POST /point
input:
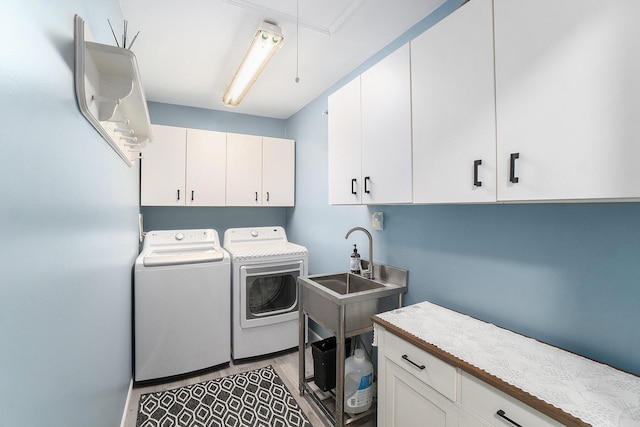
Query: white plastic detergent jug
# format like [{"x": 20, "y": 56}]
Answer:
[{"x": 358, "y": 381}]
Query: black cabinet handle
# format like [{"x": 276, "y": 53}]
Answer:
[
  {"x": 353, "y": 182},
  {"x": 267, "y": 196},
  {"x": 256, "y": 196},
  {"x": 178, "y": 194},
  {"x": 192, "y": 194},
  {"x": 366, "y": 179},
  {"x": 405, "y": 357},
  {"x": 512, "y": 169},
  {"x": 503, "y": 414},
  {"x": 476, "y": 163}
]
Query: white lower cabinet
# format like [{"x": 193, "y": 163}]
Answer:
[
  {"x": 410, "y": 402},
  {"x": 416, "y": 388},
  {"x": 496, "y": 408}
]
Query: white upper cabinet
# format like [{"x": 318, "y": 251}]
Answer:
[
  {"x": 370, "y": 135},
  {"x": 345, "y": 145},
  {"x": 260, "y": 171},
  {"x": 386, "y": 130},
  {"x": 184, "y": 167},
  {"x": 567, "y": 91},
  {"x": 163, "y": 168},
  {"x": 193, "y": 167},
  {"x": 206, "y": 168},
  {"x": 278, "y": 172},
  {"x": 454, "y": 132},
  {"x": 244, "y": 174}
]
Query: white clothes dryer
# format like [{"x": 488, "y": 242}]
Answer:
[
  {"x": 181, "y": 304},
  {"x": 264, "y": 271}
]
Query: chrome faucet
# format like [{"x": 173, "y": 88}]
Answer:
[{"x": 368, "y": 273}]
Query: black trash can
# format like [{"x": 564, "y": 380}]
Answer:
[{"x": 324, "y": 362}]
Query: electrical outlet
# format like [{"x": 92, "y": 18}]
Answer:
[{"x": 377, "y": 220}]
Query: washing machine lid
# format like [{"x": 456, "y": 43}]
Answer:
[
  {"x": 178, "y": 247},
  {"x": 186, "y": 255}
]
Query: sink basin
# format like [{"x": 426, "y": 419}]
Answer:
[
  {"x": 347, "y": 283},
  {"x": 331, "y": 299}
]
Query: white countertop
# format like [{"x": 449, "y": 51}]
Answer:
[{"x": 593, "y": 392}]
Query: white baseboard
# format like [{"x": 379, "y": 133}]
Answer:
[{"x": 126, "y": 404}]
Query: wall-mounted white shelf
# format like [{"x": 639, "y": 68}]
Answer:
[{"x": 110, "y": 94}]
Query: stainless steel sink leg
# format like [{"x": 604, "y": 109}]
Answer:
[
  {"x": 301, "y": 345},
  {"x": 340, "y": 355}
]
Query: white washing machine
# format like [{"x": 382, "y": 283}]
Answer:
[
  {"x": 264, "y": 271},
  {"x": 181, "y": 304}
]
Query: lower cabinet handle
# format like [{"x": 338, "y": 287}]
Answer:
[
  {"x": 366, "y": 179},
  {"x": 192, "y": 194},
  {"x": 512, "y": 169},
  {"x": 178, "y": 194},
  {"x": 503, "y": 414},
  {"x": 256, "y": 196},
  {"x": 405, "y": 357},
  {"x": 267, "y": 196},
  {"x": 353, "y": 182},
  {"x": 476, "y": 163}
]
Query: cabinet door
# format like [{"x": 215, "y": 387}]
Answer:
[
  {"x": 163, "y": 168},
  {"x": 409, "y": 402},
  {"x": 244, "y": 170},
  {"x": 386, "y": 130},
  {"x": 567, "y": 91},
  {"x": 345, "y": 139},
  {"x": 206, "y": 168},
  {"x": 278, "y": 172},
  {"x": 453, "y": 107}
]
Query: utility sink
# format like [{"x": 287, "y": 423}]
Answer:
[
  {"x": 347, "y": 283},
  {"x": 343, "y": 304},
  {"x": 328, "y": 297}
]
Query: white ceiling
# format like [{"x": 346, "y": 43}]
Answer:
[{"x": 188, "y": 50}]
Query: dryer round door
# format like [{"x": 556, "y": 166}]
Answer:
[
  {"x": 271, "y": 295},
  {"x": 268, "y": 294}
]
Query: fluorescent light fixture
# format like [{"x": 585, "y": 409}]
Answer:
[{"x": 267, "y": 40}]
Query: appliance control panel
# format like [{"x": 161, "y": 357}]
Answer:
[
  {"x": 254, "y": 234},
  {"x": 168, "y": 237}
]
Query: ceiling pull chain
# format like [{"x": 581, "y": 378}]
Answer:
[{"x": 297, "y": 40}]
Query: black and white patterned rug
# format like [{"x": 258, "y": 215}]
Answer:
[{"x": 254, "y": 398}]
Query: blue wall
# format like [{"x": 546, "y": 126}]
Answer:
[
  {"x": 567, "y": 274},
  {"x": 69, "y": 214}
]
